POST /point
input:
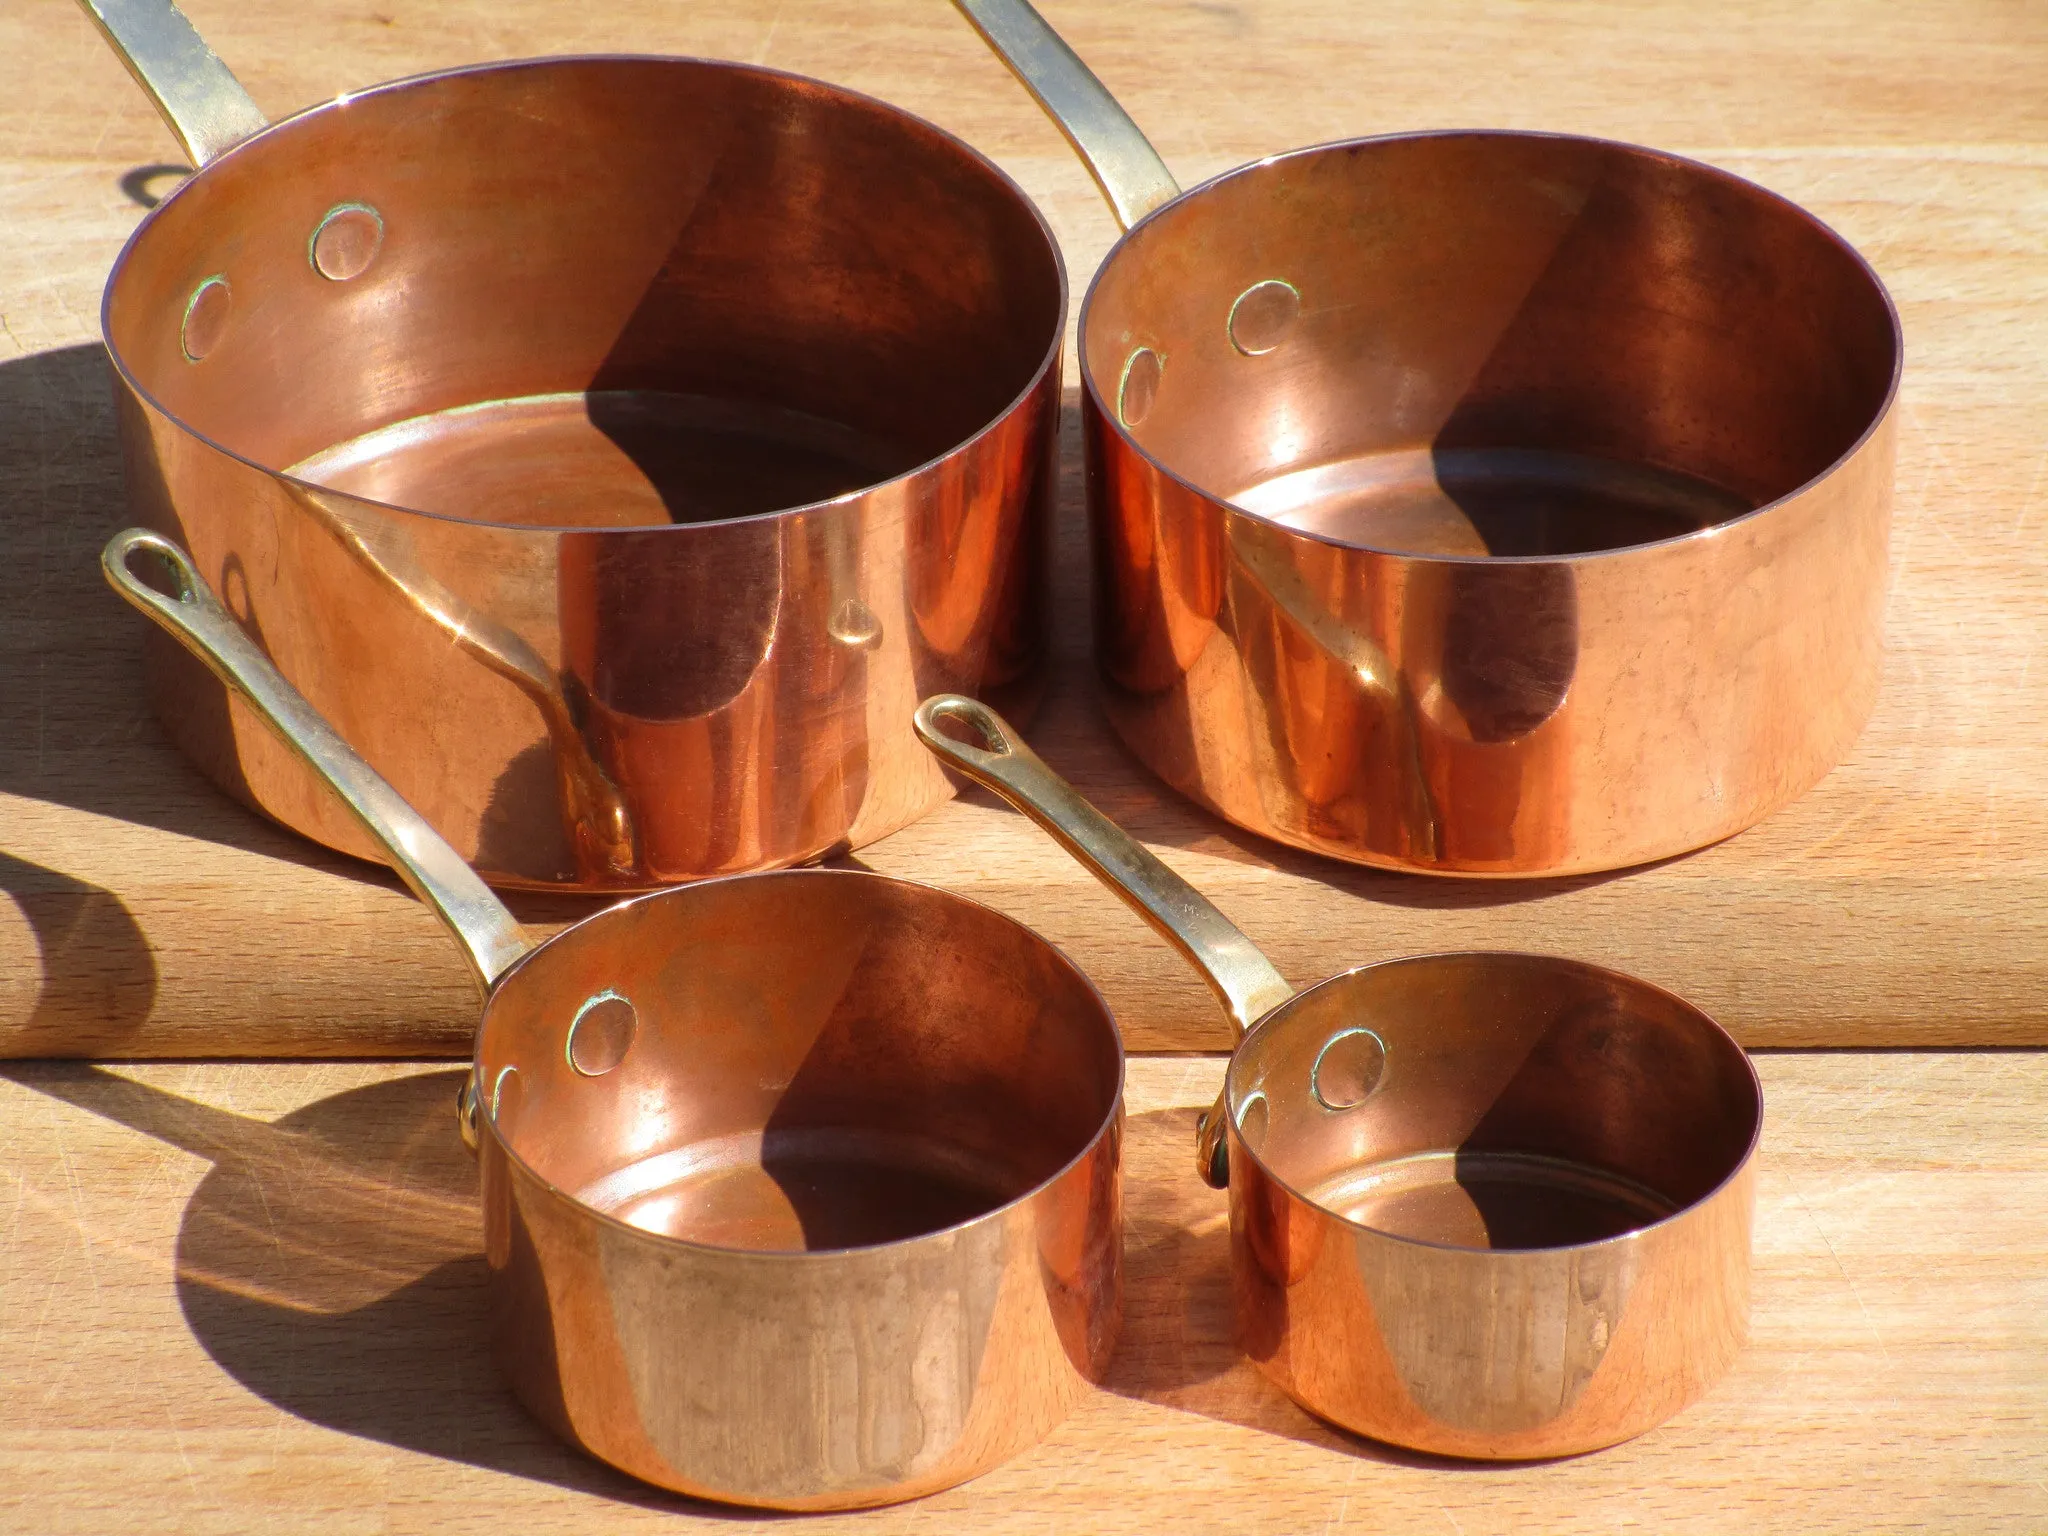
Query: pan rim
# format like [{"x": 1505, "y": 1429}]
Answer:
[
  {"x": 1878, "y": 417},
  {"x": 1235, "y": 1096},
  {"x": 1111, "y": 1118},
  {"x": 1047, "y": 362}
]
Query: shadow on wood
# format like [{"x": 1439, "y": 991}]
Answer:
[
  {"x": 97, "y": 977},
  {"x": 330, "y": 1263}
]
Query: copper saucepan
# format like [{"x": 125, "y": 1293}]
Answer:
[
  {"x": 799, "y": 1189},
  {"x": 672, "y": 426},
  {"x": 1484, "y": 1205},
  {"x": 1476, "y": 502}
]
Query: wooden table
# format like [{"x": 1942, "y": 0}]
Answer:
[
  {"x": 1903, "y": 902},
  {"x": 240, "y": 1297}
]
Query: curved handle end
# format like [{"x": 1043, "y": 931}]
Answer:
[{"x": 491, "y": 938}]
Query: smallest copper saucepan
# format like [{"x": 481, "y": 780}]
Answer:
[
  {"x": 799, "y": 1189},
  {"x": 1483, "y": 1205}
]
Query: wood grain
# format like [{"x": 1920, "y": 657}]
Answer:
[
  {"x": 238, "y": 1298},
  {"x": 1905, "y": 901}
]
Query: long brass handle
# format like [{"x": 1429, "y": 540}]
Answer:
[
  {"x": 1242, "y": 978},
  {"x": 199, "y": 98},
  {"x": 599, "y": 821},
  {"x": 491, "y": 937},
  {"x": 1119, "y": 157}
]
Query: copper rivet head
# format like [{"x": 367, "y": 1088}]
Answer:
[
  {"x": 1254, "y": 1119},
  {"x": 1139, "y": 386},
  {"x": 1348, "y": 1068},
  {"x": 346, "y": 241},
  {"x": 601, "y": 1034},
  {"x": 1263, "y": 315},
  {"x": 506, "y": 1095},
  {"x": 206, "y": 317}
]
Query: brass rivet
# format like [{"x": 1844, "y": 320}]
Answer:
[
  {"x": 346, "y": 241},
  {"x": 1139, "y": 386},
  {"x": 601, "y": 1034},
  {"x": 1348, "y": 1069},
  {"x": 206, "y": 317},
  {"x": 1263, "y": 315}
]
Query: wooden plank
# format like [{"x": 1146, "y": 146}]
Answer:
[
  {"x": 250, "y": 1298},
  {"x": 1905, "y": 901}
]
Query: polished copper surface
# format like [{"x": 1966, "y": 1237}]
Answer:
[
  {"x": 1477, "y": 503},
  {"x": 614, "y": 449},
  {"x": 1484, "y": 1205},
  {"x": 800, "y": 1189},
  {"x": 1525, "y": 1232}
]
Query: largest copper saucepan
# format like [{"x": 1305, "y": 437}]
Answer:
[
  {"x": 1476, "y": 502},
  {"x": 614, "y": 449}
]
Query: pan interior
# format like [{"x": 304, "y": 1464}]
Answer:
[
  {"x": 822, "y": 1060},
  {"x": 803, "y": 1189},
  {"x": 612, "y": 458},
  {"x": 592, "y": 292},
  {"x": 1491, "y": 1199},
  {"x": 1465, "y": 501},
  {"x": 1483, "y": 343},
  {"x": 1516, "y": 1101}
]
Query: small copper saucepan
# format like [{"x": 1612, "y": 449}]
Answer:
[
  {"x": 1485, "y": 1205},
  {"x": 799, "y": 1189},
  {"x": 1479, "y": 502},
  {"x": 673, "y": 425}
]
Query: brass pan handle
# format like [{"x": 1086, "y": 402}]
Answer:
[
  {"x": 185, "y": 80},
  {"x": 1119, "y": 157},
  {"x": 1242, "y": 978},
  {"x": 491, "y": 937}
]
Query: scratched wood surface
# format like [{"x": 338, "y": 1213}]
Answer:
[
  {"x": 1905, "y": 901},
  {"x": 239, "y": 1298}
]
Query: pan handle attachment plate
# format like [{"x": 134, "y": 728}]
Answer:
[
  {"x": 1241, "y": 977},
  {"x": 491, "y": 938},
  {"x": 202, "y": 102},
  {"x": 1119, "y": 157}
]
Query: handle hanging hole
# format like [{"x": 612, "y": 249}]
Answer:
[
  {"x": 977, "y": 727},
  {"x": 159, "y": 571}
]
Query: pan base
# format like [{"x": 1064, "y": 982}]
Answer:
[
  {"x": 1491, "y": 501},
  {"x": 1498, "y": 1200},
  {"x": 605, "y": 459},
  {"x": 801, "y": 1190}
]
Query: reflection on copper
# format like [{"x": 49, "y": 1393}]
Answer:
[
  {"x": 667, "y": 474},
  {"x": 1591, "y": 443},
  {"x": 1485, "y": 1205}
]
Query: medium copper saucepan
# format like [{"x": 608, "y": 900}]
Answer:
[
  {"x": 1486, "y": 1205},
  {"x": 799, "y": 1189},
  {"x": 613, "y": 449},
  {"x": 1476, "y": 502}
]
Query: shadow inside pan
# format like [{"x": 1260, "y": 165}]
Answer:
[
  {"x": 801, "y": 1189},
  {"x": 1492, "y": 501},
  {"x": 1492, "y": 1199},
  {"x": 606, "y": 459}
]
